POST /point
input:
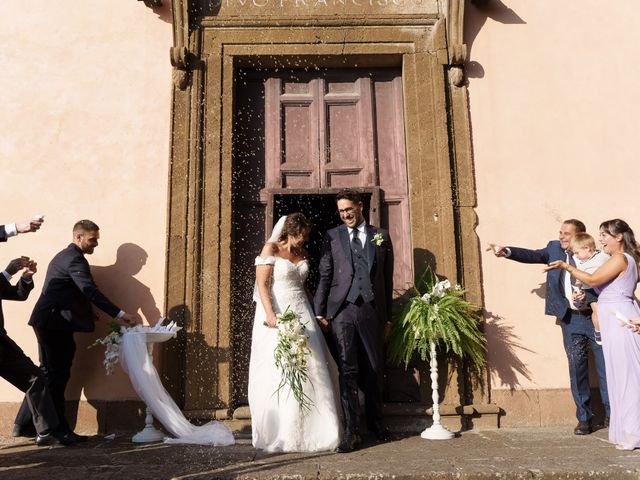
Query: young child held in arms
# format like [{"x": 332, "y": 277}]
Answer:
[{"x": 588, "y": 259}]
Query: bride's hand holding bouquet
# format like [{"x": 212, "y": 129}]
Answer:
[{"x": 271, "y": 321}]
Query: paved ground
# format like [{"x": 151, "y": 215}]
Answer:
[{"x": 505, "y": 454}]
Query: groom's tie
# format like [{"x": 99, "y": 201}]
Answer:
[
  {"x": 355, "y": 239},
  {"x": 361, "y": 283}
]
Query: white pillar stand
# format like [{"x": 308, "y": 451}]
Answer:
[
  {"x": 149, "y": 433},
  {"x": 436, "y": 431}
]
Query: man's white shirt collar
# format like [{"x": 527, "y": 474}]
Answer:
[{"x": 360, "y": 228}]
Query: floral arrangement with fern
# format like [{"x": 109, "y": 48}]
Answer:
[{"x": 437, "y": 312}]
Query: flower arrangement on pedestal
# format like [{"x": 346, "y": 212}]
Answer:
[
  {"x": 113, "y": 339},
  {"x": 437, "y": 315}
]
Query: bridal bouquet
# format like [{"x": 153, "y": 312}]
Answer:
[
  {"x": 113, "y": 339},
  {"x": 292, "y": 355},
  {"x": 437, "y": 312}
]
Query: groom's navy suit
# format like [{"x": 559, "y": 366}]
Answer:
[
  {"x": 577, "y": 329},
  {"x": 357, "y": 323}
]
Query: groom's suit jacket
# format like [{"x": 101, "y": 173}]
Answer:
[
  {"x": 336, "y": 272},
  {"x": 68, "y": 294},
  {"x": 556, "y": 302}
]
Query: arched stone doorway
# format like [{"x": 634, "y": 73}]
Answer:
[{"x": 203, "y": 237}]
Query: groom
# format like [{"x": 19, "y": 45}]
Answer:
[{"x": 353, "y": 300}]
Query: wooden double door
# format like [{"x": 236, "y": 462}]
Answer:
[{"x": 299, "y": 137}]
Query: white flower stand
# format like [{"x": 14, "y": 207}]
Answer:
[
  {"x": 436, "y": 431},
  {"x": 149, "y": 433}
]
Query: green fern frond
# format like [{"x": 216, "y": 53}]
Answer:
[{"x": 449, "y": 320}]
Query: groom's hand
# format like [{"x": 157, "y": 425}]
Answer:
[
  {"x": 324, "y": 323},
  {"x": 387, "y": 330}
]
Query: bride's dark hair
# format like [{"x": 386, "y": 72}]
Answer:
[
  {"x": 620, "y": 227},
  {"x": 295, "y": 224}
]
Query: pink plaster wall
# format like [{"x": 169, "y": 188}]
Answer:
[
  {"x": 554, "y": 104},
  {"x": 84, "y": 133}
]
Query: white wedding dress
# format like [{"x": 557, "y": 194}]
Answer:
[{"x": 276, "y": 421}]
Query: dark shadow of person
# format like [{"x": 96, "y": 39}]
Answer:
[
  {"x": 161, "y": 9},
  {"x": 411, "y": 382},
  {"x": 119, "y": 284},
  {"x": 540, "y": 291},
  {"x": 476, "y": 14},
  {"x": 503, "y": 364}
]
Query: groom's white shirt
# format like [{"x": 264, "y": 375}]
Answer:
[{"x": 362, "y": 235}]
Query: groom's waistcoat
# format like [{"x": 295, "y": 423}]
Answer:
[{"x": 360, "y": 283}]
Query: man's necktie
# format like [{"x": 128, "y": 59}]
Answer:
[{"x": 357, "y": 244}]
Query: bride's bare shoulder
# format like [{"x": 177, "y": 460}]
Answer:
[{"x": 269, "y": 250}]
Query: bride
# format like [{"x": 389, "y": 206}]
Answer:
[{"x": 277, "y": 423}]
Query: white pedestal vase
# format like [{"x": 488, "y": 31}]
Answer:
[
  {"x": 149, "y": 433},
  {"x": 436, "y": 431}
]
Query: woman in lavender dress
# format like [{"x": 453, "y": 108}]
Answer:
[{"x": 617, "y": 280}]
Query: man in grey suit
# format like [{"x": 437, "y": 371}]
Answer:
[
  {"x": 353, "y": 299},
  {"x": 65, "y": 306}
]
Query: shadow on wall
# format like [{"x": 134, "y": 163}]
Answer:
[
  {"x": 119, "y": 284},
  {"x": 476, "y": 14},
  {"x": 163, "y": 11},
  {"x": 191, "y": 350},
  {"x": 503, "y": 364},
  {"x": 540, "y": 291},
  {"x": 412, "y": 382}
]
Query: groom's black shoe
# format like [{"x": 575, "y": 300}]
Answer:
[
  {"x": 23, "y": 431},
  {"x": 54, "y": 438},
  {"x": 349, "y": 443},
  {"x": 77, "y": 438},
  {"x": 381, "y": 434},
  {"x": 379, "y": 431}
]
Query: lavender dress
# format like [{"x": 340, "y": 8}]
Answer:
[{"x": 621, "y": 348}]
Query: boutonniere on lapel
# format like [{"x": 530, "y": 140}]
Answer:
[{"x": 378, "y": 239}]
